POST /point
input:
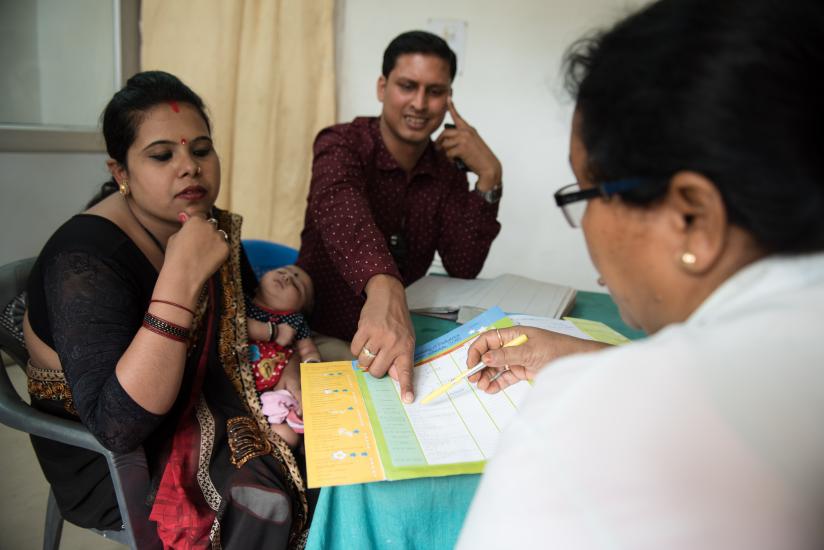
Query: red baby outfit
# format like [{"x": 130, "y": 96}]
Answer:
[{"x": 268, "y": 361}]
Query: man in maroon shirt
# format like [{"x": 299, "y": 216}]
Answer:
[{"x": 384, "y": 198}]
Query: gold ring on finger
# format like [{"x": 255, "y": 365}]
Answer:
[
  {"x": 365, "y": 351},
  {"x": 500, "y": 338}
]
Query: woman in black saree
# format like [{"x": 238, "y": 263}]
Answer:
[{"x": 136, "y": 327}]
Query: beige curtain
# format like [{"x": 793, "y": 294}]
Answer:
[{"x": 266, "y": 70}]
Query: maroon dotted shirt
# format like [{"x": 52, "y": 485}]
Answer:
[{"x": 359, "y": 197}]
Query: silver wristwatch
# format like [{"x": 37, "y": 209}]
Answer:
[{"x": 492, "y": 196}]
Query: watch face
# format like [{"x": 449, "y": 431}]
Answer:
[{"x": 492, "y": 196}]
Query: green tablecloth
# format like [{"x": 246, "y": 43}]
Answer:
[
  {"x": 588, "y": 305},
  {"x": 424, "y": 513}
]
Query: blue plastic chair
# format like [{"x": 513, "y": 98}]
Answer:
[{"x": 266, "y": 255}]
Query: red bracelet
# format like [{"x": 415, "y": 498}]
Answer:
[
  {"x": 184, "y": 308},
  {"x": 165, "y": 328}
]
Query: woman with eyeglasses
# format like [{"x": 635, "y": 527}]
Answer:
[{"x": 698, "y": 148}]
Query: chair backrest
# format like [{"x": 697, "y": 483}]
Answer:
[
  {"x": 13, "y": 279},
  {"x": 130, "y": 473},
  {"x": 266, "y": 255}
]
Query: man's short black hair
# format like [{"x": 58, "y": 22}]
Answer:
[{"x": 419, "y": 42}]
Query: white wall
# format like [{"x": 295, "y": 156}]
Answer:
[
  {"x": 40, "y": 191},
  {"x": 75, "y": 42},
  {"x": 511, "y": 91}
]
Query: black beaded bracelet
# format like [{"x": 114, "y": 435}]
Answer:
[{"x": 165, "y": 328}]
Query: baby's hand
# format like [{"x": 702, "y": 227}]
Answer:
[
  {"x": 290, "y": 380},
  {"x": 286, "y": 334},
  {"x": 308, "y": 351}
]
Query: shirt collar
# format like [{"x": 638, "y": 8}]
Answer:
[{"x": 384, "y": 160}]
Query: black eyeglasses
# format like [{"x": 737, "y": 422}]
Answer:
[{"x": 571, "y": 199}]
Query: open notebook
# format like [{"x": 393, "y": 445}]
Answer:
[
  {"x": 447, "y": 297},
  {"x": 357, "y": 429}
]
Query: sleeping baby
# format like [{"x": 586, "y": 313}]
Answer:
[{"x": 281, "y": 299}]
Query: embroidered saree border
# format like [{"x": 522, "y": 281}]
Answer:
[
  {"x": 49, "y": 385},
  {"x": 233, "y": 349}
]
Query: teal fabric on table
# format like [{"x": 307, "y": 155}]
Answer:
[
  {"x": 419, "y": 514},
  {"x": 424, "y": 513},
  {"x": 600, "y": 307}
]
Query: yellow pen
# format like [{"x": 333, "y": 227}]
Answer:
[{"x": 477, "y": 368}]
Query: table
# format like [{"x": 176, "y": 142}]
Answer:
[{"x": 425, "y": 513}]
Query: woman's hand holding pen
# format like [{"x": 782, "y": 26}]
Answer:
[{"x": 520, "y": 362}]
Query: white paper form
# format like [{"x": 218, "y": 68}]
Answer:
[
  {"x": 464, "y": 424},
  {"x": 461, "y": 426},
  {"x": 359, "y": 430}
]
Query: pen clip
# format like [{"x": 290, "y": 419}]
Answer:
[{"x": 477, "y": 368}]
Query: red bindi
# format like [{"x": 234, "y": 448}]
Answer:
[
  {"x": 173, "y": 105},
  {"x": 183, "y": 141}
]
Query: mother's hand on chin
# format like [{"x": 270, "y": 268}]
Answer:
[{"x": 194, "y": 253}]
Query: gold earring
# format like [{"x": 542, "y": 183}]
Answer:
[
  {"x": 688, "y": 258},
  {"x": 124, "y": 188}
]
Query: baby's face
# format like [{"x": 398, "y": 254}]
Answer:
[{"x": 287, "y": 288}]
